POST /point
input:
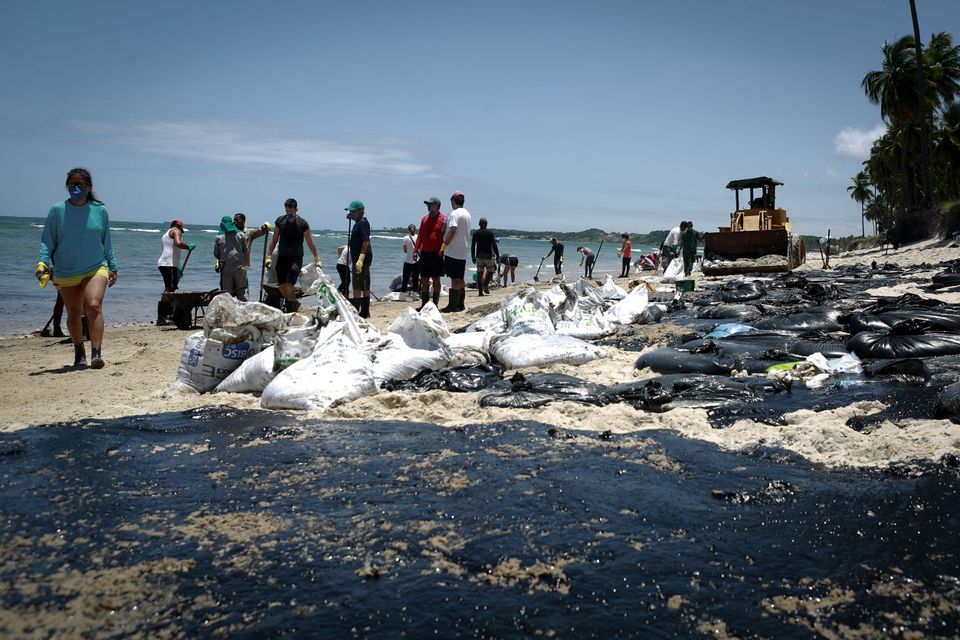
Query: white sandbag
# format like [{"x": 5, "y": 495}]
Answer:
[
  {"x": 518, "y": 352},
  {"x": 205, "y": 363},
  {"x": 336, "y": 372},
  {"x": 469, "y": 357},
  {"x": 631, "y": 308},
  {"x": 394, "y": 360},
  {"x": 309, "y": 273},
  {"x": 673, "y": 271},
  {"x": 490, "y": 323},
  {"x": 252, "y": 376},
  {"x": 468, "y": 339},
  {"x": 611, "y": 290},
  {"x": 527, "y": 312},
  {"x": 587, "y": 326},
  {"x": 424, "y": 330},
  {"x": 589, "y": 297},
  {"x": 260, "y": 322},
  {"x": 294, "y": 343}
]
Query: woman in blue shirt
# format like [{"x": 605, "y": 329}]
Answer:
[{"x": 76, "y": 251}]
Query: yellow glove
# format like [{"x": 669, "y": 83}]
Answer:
[
  {"x": 360, "y": 260},
  {"x": 43, "y": 274},
  {"x": 443, "y": 247},
  {"x": 244, "y": 268},
  {"x": 561, "y": 259},
  {"x": 318, "y": 262},
  {"x": 268, "y": 261},
  {"x": 266, "y": 226}
]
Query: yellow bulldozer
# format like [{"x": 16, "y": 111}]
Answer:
[{"x": 760, "y": 236}]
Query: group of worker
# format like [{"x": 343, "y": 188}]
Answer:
[{"x": 681, "y": 242}]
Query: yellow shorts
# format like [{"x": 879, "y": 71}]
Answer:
[{"x": 72, "y": 281}]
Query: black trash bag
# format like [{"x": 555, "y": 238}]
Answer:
[
  {"x": 829, "y": 348},
  {"x": 522, "y": 392},
  {"x": 742, "y": 291},
  {"x": 942, "y": 319},
  {"x": 739, "y": 312},
  {"x": 867, "y": 322},
  {"x": 687, "y": 390},
  {"x": 465, "y": 379},
  {"x": 790, "y": 280},
  {"x": 947, "y": 406},
  {"x": 813, "y": 319},
  {"x": 396, "y": 283},
  {"x": 907, "y": 370},
  {"x": 820, "y": 292},
  {"x": 896, "y": 344},
  {"x": 944, "y": 280},
  {"x": 905, "y": 300},
  {"x": 667, "y": 360},
  {"x": 755, "y": 343}
]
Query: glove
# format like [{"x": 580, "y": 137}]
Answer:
[
  {"x": 266, "y": 226},
  {"x": 191, "y": 246},
  {"x": 179, "y": 271},
  {"x": 218, "y": 266},
  {"x": 360, "y": 260},
  {"x": 318, "y": 262},
  {"x": 561, "y": 259},
  {"x": 43, "y": 274},
  {"x": 268, "y": 261},
  {"x": 544, "y": 258},
  {"x": 443, "y": 247}
]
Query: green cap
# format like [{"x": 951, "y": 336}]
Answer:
[
  {"x": 226, "y": 225},
  {"x": 353, "y": 206}
]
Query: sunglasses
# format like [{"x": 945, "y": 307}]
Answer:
[{"x": 71, "y": 185}]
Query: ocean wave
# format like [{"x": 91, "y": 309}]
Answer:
[
  {"x": 36, "y": 226},
  {"x": 387, "y": 237},
  {"x": 138, "y": 230}
]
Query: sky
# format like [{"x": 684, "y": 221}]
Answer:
[{"x": 548, "y": 115}]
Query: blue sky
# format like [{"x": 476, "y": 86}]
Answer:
[{"x": 628, "y": 116}]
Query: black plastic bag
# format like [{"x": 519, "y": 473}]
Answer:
[{"x": 522, "y": 392}]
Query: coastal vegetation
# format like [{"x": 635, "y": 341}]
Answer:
[{"x": 913, "y": 171}]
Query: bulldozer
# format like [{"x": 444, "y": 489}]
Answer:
[{"x": 760, "y": 236}]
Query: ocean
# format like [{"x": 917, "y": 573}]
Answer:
[{"x": 25, "y": 308}]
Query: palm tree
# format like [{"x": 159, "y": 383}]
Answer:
[{"x": 860, "y": 192}]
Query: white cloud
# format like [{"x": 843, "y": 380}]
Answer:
[
  {"x": 239, "y": 144},
  {"x": 855, "y": 143}
]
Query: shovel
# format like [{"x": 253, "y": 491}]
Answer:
[
  {"x": 536, "y": 276},
  {"x": 183, "y": 267}
]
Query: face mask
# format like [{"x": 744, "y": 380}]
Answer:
[
  {"x": 290, "y": 214},
  {"x": 78, "y": 194}
]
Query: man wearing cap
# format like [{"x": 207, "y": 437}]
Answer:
[
  {"x": 429, "y": 242},
  {"x": 361, "y": 254},
  {"x": 485, "y": 254},
  {"x": 290, "y": 232},
  {"x": 556, "y": 249},
  {"x": 169, "y": 262},
  {"x": 231, "y": 248},
  {"x": 456, "y": 250}
]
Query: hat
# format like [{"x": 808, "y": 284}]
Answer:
[
  {"x": 226, "y": 225},
  {"x": 457, "y": 194},
  {"x": 177, "y": 223},
  {"x": 354, "y": 205},
  {"x": 432, "y": 201}
]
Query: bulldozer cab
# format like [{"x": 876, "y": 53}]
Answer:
[{"x": 761, "y": 212}]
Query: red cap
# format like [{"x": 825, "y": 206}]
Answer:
[
  {"x": 457, "y": 193},
  {"x": 177, "y": 223}
]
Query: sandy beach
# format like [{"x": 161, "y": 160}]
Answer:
[{"x": 142, "y": 364}]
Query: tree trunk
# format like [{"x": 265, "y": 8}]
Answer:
[
  {"x": 905, "y": 177},
  {"x": 863, "y": 230},
  {"x": 926, "y": 200}
]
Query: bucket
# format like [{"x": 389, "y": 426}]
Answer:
[{"x": 685, "y": 285}]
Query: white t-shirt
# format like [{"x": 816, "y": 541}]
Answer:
[
  {"x": 459, "y": 246},
  {"x": 409, "y": 245},
  {"x": 673, "y": 238}
]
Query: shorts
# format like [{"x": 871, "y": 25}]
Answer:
[
  {"x": 171, "y": 277},
  {"x": 512, "y": 261},
  {"x": 361, "y": 280},
  {"x": 431, "y": 265},
  {"x": 454, "y": 268},
  {"x": 288, "y": 269},
  {"x": 486, "y": 264}
]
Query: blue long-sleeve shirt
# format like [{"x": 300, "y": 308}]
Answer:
[{"x": 76, "y": 240}]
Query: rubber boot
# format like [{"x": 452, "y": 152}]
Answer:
[
  {"x": 479, "y": 288},
  {"x": 451, "y": 301},
  {"x": 356, "y": 303},
  {"x": 96, "y": 360},
  {"x": 365, "y": 307},
  {"x": 79, "y": 355},
  {"x": 460, "y": 299},
  {"x": 424, "y": 299},
  {"x": 486, "y": 283}
]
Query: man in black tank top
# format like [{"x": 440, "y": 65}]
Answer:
[{"x": 485, "y": 254}]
